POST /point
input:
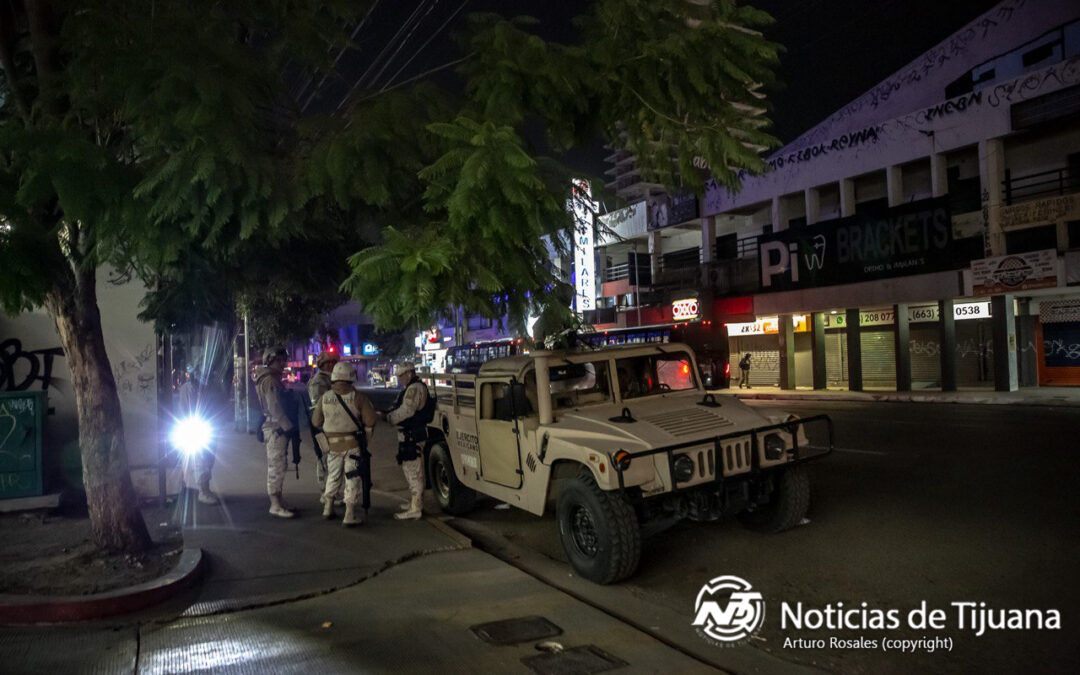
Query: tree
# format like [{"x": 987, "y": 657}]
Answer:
[
  {"x": 676, "y": 82},
  {"x": 129, "y": 133},
  {"x": 167, "y": 138}
]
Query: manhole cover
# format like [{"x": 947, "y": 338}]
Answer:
[
  {"x": 515, "y": 631},
  {"x": 573, "y": 661}
]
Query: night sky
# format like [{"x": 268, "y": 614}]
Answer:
[{"x": 834, "y": 49}]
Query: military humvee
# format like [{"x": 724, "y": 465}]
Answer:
[{"x": 624, "y": 440}]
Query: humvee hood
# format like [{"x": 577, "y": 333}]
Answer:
[{"x": 658, "y": 421}]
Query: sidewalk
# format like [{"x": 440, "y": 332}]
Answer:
[
  {"x": 307, "y": 595},
  {"x": 1043, "y": 396}
]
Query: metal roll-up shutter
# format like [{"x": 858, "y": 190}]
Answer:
[
  {"x": 878, "y": 358},
  {"x": 974, "y": 353},
  {"x": 836, "y": 370},
  {"x": 925, "y": 355},
  {"x": 765, "y": 364}
]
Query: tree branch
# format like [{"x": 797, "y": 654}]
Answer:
[
  {"x": 7, "y": 57},
  {"x": 43, "y": 45}
]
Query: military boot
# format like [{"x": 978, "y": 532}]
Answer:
[
  {"x": 206, "y": 495},
  {"x": 328, "y": 509},
  {"x": 351, "y": 517},
  {"x": 414, "y": 512}
]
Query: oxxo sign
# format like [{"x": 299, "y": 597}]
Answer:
[{"x": 685, "y": 309}]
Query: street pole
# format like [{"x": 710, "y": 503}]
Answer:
[
  {"x": 247, "y": 371},
  {"x": 637, "y": 282}
]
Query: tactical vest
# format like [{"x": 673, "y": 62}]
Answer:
[{"x": 415, "y": 427}]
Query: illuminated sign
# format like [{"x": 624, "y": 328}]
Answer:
[
  {"x": 962, "y": 311},
  {"x": 370, "y": 349},
  {"x": 582, "y": 206},
  {"x": 346, "y": 349},
  {"x": 685, "y": 309},
  {"x": 769, "y": 325}
]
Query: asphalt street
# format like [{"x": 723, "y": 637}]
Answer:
[{"x": 940, "y": 503}]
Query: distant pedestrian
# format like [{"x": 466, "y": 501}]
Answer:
[
  {"x": 196, "y": 400},
  {"x": 276, "y": 427},
  {"x": 744, "y": 367},
  {"x": 408, "y": 414},
  {"x": 347, "y": 419}
]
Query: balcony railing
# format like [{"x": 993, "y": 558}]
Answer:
[
  {"x": 1034, "y": 185},
  {"x": 616, "y": 272}
]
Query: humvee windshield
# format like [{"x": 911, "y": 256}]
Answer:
[
  {"x": 655, "y": 374},
  {"x": 574, "y": 384}
]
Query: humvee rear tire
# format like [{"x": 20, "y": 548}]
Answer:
[
  {"x": 599, "y": 530},
  {"x": 789, "y": 504},
  {"x": 451, "y": 495}
]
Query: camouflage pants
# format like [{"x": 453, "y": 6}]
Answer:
[
  {"x": 277, "y": 460},
  {"x": 337, "y": 465},
  {"x": 414, "y": 476}
]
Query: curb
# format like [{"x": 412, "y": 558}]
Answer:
[
  {"x": 894, "y": 398},
  {"x": 28, "y": 609}
]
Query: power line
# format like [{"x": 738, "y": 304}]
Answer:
[
  {"x": 401, "y": 44},
  {"x": 426, "y": 43},
  {"x": 352, "y": 39},
  {"x": 378, "y": 58}
]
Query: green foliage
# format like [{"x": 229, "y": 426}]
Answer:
[
  {"x": 671, "y": 81},
  {"x": 164, "y": 138}
]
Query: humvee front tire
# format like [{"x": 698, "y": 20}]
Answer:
[
  {"x": 599, "y": 530},
  {"x": 451, "y": 495},
  {"x": 788, "y": 506}
]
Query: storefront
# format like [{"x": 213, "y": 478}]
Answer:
[
  {"x": 761, "y": 339},
  {"x": 1059, "y": 342}
]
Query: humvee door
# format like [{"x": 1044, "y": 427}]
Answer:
[{"x": 500, "y": 406}]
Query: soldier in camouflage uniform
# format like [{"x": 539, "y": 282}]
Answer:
[
  {"x": 411, "y": 434},
  {"x": 348, "y": 419},
  {"x": 318, "y": 385},
  {"x": 276, "y": 427}
]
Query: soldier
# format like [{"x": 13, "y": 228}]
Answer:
[
  {"x": 276, "y": 427},
  {"x": 347, "y": 418},
  {"x": 318, "y": 385},
  {"x": 408, "y": 414}
]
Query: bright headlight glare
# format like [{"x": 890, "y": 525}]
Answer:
[{"x": 191, "y": 435}]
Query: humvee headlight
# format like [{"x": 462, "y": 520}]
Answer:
[
  {"x": 683, "y": 469},
  {"x": 622, "y": 460},
  {"x": 774, "y": 446}
]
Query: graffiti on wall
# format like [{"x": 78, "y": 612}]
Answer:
[
  {"x": 132, "y": 377},
  {"x": 956, "y": 47},
  {"x": 20, "y": 368}
]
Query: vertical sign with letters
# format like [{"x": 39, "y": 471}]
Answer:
[{"x": 582, "y": 206}]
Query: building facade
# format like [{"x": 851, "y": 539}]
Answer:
[{"x": 926, "y": 235}]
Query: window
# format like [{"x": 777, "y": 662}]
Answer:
[
  {"x": 1031, "y": 239},
  {"x": 574, "y": 384},
  {"x": 655, "y": 374},
  {"x": 1074, "y": 233},
  {"x": 1039, "y": 54}
]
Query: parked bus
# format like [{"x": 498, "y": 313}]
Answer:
[
  {"x": 708, "y": 340},
  {"x": 468, "y": 358}
]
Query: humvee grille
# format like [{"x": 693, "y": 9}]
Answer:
[
  {"x": 690, "y": 422},
  {"x": 736, "y": 456}
]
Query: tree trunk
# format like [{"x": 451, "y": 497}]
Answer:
[{"x": 115, "y": 519}]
